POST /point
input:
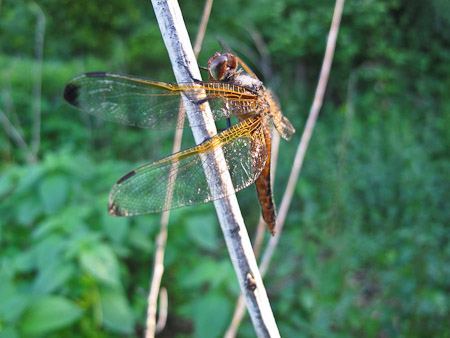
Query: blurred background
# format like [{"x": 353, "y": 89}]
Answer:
[{"x": 365, "y": 250}]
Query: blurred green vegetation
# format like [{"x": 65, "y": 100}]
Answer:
[{"x": 365, "y": 251}]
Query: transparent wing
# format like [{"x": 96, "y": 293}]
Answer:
[
  {"x": 152, "y": 104},
  {"x": 146, "y": 189},
  {"x": 281, "y": 122}
]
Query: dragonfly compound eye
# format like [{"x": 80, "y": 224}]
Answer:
[{"x": 218, "y": 67}]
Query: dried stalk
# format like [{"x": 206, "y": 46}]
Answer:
[
  {"x": 16, "y": 137},
  {"x": 238, "y": 243},
  {"x": 299, "y": 157},
  {"x": 161, "y": 240},
  {"x": 36, "y": 102}
]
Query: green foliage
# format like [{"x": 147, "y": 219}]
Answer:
[{"x": 365, "y": 250}]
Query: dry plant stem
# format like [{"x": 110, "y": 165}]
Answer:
[
  {"x": 239, "y": 310},
  {"x": 307, "y": 132},
  {"x": 39, "y": 47},
  {"x": 298, "y": 161},
  {"x": 238, "y": 243},
  {"x": 163, "y": 310},
  {"x": 15, "y": 136},
  {"x": 202, "y": 27},
  {"x": 161, "y": 240}
]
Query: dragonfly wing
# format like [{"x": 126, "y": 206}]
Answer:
[
  {"x": 146, "y": 103},
  {"x": 183, "y": 177}
]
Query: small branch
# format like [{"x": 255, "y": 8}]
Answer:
[
  {"x": 16, "y": 137},
  {"x": 36, "y": 103},
  {"x": 182, "y": 58},
  {"x": 202, "y": 27},
  {"x": 307, "y": 132},
  {"x": 239, "y": 310},
  {"x": 161, "y": 240},
  {"x": 163, "y": 306},
  {"x": 298, "y": 161}
]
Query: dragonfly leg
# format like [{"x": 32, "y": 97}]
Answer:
[
  {"x": 201, "y": 101},
  {"x": 228, "y": 125},
  {"x": 190, "y": 74}
]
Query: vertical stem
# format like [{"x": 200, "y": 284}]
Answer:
[
  {"x": 39, "y": 50},
  {"x": 236, "y": 237},
  {"x": 299, "y": 157},
  {"x": 161, "y": 240},
  {"x": 307, "y": 132}
]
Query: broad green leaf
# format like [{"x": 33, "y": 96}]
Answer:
[
  {"x": 203, "y": 230},
  {"x": 12, "y": 301},
  {"x": 211, "y": 315},
  {"x": 48, "y": 251},
  {"x": 101, "y": 262},
  {"x": 30, "y": 176},
  {"x": 8, "y": 332},
  {"x": 117, "y": 313},
  {"x": 53, "y": 191},
  {"x": 52, "y": 277},
  {"x": 49, "y": 314},
  {"x": 201, "y": 274},
  {"x": 140, "y": 240},
  {"x": 6, "y": 184},
  {"x": 116, "y": 228},
  {"x": 25, "y": 260},
  {"x": 28, "y": 210}
]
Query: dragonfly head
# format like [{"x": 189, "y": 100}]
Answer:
[{"x": 222, "y": 66}]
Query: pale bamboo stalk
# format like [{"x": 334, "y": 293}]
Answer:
[
  {"x": 163, "y": 310},
  {"x": 298, "y": 161},
  {"x": 161, "y": 240},
  {"x": 238, "y": 243},
  {"x": 36, "y": 102},
  {"x": 307, "y": 132},
  {"x": 14, "y": 134}
]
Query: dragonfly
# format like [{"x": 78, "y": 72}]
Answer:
[{"x": 181, "y": 179}]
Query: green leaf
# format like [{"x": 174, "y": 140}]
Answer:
[
  {"x": 211, "y": 315},
  {"x": 201, "y": 274},
  {"x": 52, "y": 277},
  {"x": 139, "y": 240},
  {"x": 203, "y": 230},
  {"x": 9, "y": 332},
  {"x": 49, "y": 314},
  {"x": 101, "y": 262},
  {"x": 116, "y": 228},
  {"x": 48, "y": 251},
  {"x": 29, "y": 210},
  {"x": 53, "y": 191},
  {"x": 117, "y": 314},
  {"x": 13, "y": 302},
  {"x": 6, "y": 185}
]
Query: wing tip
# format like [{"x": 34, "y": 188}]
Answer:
[
  {"x": 96, "y": 74},
  {"x": 113, "y": 210},
  {"x": 126, "y": 176},
  {"x": 71, "y": 94},
  {"x": 113, "y": 207}
]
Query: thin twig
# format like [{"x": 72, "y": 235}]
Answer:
[
  {"x": 36, "y": 103},
  {"x": 298, "y": 161},
  {"x": 238, "y": 243},
  {"x": 161, "y": 240},
  {"x": 306, "y": 136},
  {"x": 16, "y": 137},
  {"x": 266, "y": 69},
  {"x": 261, "y": 46},
  {"x": 239, "y": 310},
  {"x": 163, "y": 310},
  {"x": 202, "y": 27}
]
